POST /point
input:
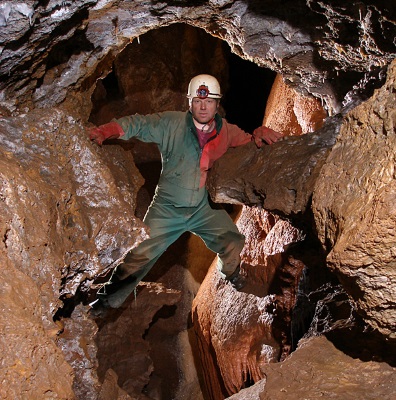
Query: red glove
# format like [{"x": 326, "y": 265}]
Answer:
[
  {"x": 99, "y": 134},
  {"x": 267, "y": 134}
]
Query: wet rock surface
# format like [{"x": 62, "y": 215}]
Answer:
[
  {"x": 239, "y": 331},
  {"x": 319, "y": 47},
  {"x": 59, "y": 214},
  {"x": 326, "y": 372},
  {"x": 362, "y": 209},
  {"x": 269, "y": 176},
  {"x": 291, "y": 113},
  {"x": 30, "y": 360},
  {"x": 359, "y": 212},
  {"x": 53, "y": 174},
  {"x": 68, "y": 207}
]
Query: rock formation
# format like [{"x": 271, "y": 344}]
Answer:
[{"x": 316, "y": 208}]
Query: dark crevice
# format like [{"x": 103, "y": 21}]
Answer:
[
  {"x": 248, "y": 90},
  {"x": 164, "y": 313}
]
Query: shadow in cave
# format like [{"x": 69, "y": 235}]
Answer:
[
  {"x": 248, "y": 89},
  {"x": 323, "y": 306}
]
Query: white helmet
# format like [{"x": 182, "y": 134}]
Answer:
[{"x": 204, "y": 86}]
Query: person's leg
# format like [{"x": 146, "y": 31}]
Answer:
[
  {"x": 220, "y": 235},
  {"x": 165, "y": 227}
]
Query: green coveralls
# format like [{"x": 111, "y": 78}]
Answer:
[{"x": 179, "y": 204}]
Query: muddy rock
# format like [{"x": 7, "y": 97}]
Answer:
[
  {"x": 359, "y": 212},
  {"x": 317, "y": 369}
]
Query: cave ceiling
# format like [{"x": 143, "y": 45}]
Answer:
[{"x": 53, "y": 50}]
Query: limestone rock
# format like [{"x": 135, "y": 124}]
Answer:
[
  {"x": 67, "y": 206},
  {"x": 77, "y": 343},
  {"x": 291, "y": 113},
  {"x": 317, "y": 369},
  {"x": 75, "y": 42},
  {"x": 30, "y": 360},
  {"x": 110, "y": 388},
  {"x": 280, "y": 177},
  {"x": 234, "y": 334},
  {"x": 359, "y": 212},
  {"x": 238, "y": 331},
  {"x": 121, "y": 343},
  {"x": 51, "y": 167},
  {"x": 61, "y": 226}
]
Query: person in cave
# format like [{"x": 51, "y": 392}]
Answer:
[{"x": 189, "y": 143}]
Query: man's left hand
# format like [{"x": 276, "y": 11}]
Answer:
[{"x": 267, "y": 134}]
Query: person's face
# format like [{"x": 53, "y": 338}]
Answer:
[{"x": 203, "y": 110}]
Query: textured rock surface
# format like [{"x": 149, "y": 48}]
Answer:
[
  {"x": 280, "y": 177},
  {"x": 234, "y": 333},
  {"x": 52, "y": 173},
  {"x": 355, "y": 220},
  {"x": 121, "y": 341},
  {"x": 60, "y": 227},
  {"x": 291, "y": 113},
  {"x": 318, "y": 370},
  {"x": 358, "y": 206},
  {"x": 238, "y": 332},
  {"x": 319, "y": 47},
  {"x": 30, "y": 361},
  {"x": 77, "y": 343},
  {"x": 67, "y": 207}
]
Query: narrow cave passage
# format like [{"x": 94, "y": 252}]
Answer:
[{"x": 152, "y": 76}]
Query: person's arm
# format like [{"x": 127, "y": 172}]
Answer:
[
  {"x": 238, "y": 137},
  {"x": 263, "y": 133},
  {"x": 147, "y": 128},
  {"x": 150, "y": 128}
]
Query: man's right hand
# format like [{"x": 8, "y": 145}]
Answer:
[{"x": 99, "y": 134}]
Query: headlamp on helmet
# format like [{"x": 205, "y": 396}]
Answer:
[
  {"x": 204, "y": 86},
  {"x": 202, "y": 92}
]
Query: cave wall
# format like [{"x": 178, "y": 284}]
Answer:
[
  {"x": 68, "y": 207},
  {"x": 240, "y": 331},
  {"x": 291, "y": 113},
  {"x": 358, "y": 212},
  {"x": 61, "y": 227}
]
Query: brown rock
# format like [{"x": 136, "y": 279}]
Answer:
[
  {"x": 289, "y": 112},
  {"x": 110, "y": 388},
  {"x": 318, "y": 370},
  {"x": 54, "y": 52},
  {"x": 120, "y": 339},
  {"x": 31, "y": 363},
  {"x": 280, "y": 177},
  {"x": 77, "y": 343},
  {"x": 234, "y": 334},
  {"x": 59, "y": 215},
  {"x": 355, "y": 219},
  {"x": 67, "y": 207}
]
